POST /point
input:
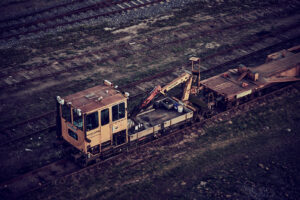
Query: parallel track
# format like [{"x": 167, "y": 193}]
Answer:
[
  {"x": 115, "y": 7},
  {"x": 49, "y": 9},
  {"x": 102, "y": 5},
  {"x": 28, "y": 128},
  {"x": 47, "y": 71}
]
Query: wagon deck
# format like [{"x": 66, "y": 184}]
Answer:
[
  {"x": 231, "y": 85},
  {"x": 160, "y": 118}
]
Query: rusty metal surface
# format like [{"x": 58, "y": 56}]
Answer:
[
  {"x": 276, "y": 67},
  {"x": 94, "y": 98},
  {"x": 229, "y": 86}
]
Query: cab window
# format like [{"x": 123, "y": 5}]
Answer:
[
  {"x": 92, "y": 121},
  {"x": 73, "y": 134},
  {"x": 66, "y": 112},
  {"x": 77, "y": 120},
  {"x": 104, "y": 117},
  {"x": 118, "y": 111}
]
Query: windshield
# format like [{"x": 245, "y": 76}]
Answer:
[
  {"x": 118, "y": 111},
  {"x": 77, "y": 120},
  {"x": 92, "y": 121}
]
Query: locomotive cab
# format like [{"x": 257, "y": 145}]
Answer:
[{"x": 93, "y": 120}]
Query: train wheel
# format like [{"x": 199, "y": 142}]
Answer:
[
  {"x": 259, "y": 93},
  {"x": 229, "y": 105},
  {"x": 251, "y": 96},
  {"x": 83, "y": 163}
]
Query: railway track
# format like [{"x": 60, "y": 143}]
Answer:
[
  {"x": 46, "y": 121},
  {"x": 235, "y": 19},
  {"x": 63, "y": 170},
  {"x": 27, "y": 128},
  {"x": 44, "y": 71},
  {"x": 258, "y": 15},
  {"x": 103, "y": 5},
  {"x": 103, "y": 9},
  {"x": 76, "y": 22},
  {"x": 18, "y": 19}
]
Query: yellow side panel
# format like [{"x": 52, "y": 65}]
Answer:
[
  {"x": 133, "y": 137},
  {"x": 105, "y": 134},
  {"x": 156, "y": 128},
  {"x": 178, "y": 119},
  {"x": 119, "y": 125},
  {"x": 167, "y": 123},
  {"x": 189, "y": 115},
  {"x": 243, "y": 94},
  {"x": 94, "y": 136},
  {"x": 95, "y": 140},
  {"x": 145, "y": 132},
  {"x": 80, "y": 143}
]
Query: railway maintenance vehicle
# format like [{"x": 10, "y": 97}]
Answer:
[{"x": 96, "y": 124}]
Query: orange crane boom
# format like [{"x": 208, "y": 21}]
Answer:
[{"x": 153, "y": 93}]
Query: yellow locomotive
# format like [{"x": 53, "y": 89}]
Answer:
[{"x": 94, "y": 119}]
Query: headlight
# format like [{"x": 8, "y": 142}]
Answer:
[
  {"x": 126, "y": 94},
  {"x": 60, "y": 100},
  {"x": 78, "y": 111},
  {"x": 107, "y": 83}
]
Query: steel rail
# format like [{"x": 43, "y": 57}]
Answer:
[
  {"x": 83, "y": 19},
  {"x": 16, "y": 139},
  {"x": 281, "y": 30},
  {"x": 27, "y": 120},
  {"x": 40, "y": 11},
  {"x": 237, "y": 25},
  {"x": 102, "y": 4}
]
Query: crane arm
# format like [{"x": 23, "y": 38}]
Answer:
[
  {"x": 137, "y": 108},
  {"x": 181, "y": 79},
  {"x": 187, "y": 90},
  {"x": 153, "y": 93},
  {"x": 185, "y": 77}
]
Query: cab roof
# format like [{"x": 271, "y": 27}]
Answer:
[{"x": 94, "y": 98}]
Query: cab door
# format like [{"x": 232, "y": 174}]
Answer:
[
  {"x": 92, "y": 128},
  {"x": 105, "y": 125},
  {"x": 119, "y": 124}
]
